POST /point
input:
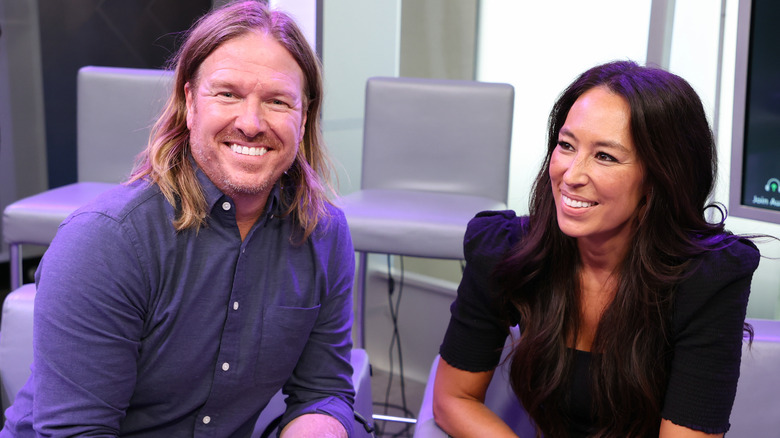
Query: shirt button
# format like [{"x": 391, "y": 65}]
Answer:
[
  {"x": 235, "y": 305},
  {"x": 206, "y": 419},
  {"x": 225, "y": 366},
  {"x": 226, "y": 206}
]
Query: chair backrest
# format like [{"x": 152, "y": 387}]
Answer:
[
  {"x": 116, "y": 109},
  {"x": 757, "y": 403},
  {"x": 437, "y": 135}
]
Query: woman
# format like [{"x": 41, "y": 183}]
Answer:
[{"x": 630, "y": 303}]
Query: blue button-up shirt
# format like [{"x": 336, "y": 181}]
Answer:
[{"x": 142, "y": 330}]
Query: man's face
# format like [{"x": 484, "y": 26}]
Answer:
[{"x": 245, "y": 114}]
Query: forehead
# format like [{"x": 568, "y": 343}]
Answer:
[
  {"x": 601, "y": 113},
  {"x": 253, "y": 53}
]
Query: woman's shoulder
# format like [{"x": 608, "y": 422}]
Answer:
[
  {"x": 734, "y": 258},
  {"x": 719, "y": 277},
  {"x": 492, "y": 233}
]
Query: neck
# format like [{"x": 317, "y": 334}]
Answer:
[
  {"x": 601, "y": 259},
  {"x": 249, "y": 208},
  {"x": 605, "y": 255}
]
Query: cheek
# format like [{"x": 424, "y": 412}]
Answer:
[
  {"x": 622, "y": 188},
  {"x": 557, "y": 167}
]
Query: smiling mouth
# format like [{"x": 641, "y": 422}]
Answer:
[
  {"x": 576, "y": 204},
  {"x": 245, "y": 150}
]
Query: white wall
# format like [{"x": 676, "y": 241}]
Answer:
[
  {"x": 360, "y": 39},
  {"x": 304, "y": 12}
]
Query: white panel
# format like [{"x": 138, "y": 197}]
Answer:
[
  {"x": 540, "y": 47},
  {"x": 360, "y": 39},
  {"x": 304, "y": 12},
  {"x": 695, "y": 39}
]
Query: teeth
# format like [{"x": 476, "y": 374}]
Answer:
[
  {"x": 576, "y": 204},
  {"x": 244, "y": 150}
]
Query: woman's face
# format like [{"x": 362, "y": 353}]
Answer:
[{"x": 597, "y": 179}]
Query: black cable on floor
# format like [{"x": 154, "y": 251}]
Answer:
[{"x": 395, "y": 342}]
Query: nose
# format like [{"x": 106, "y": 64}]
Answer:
[
  {"x": 250, "y": 119},
  {"x": 577, "y": 172}
]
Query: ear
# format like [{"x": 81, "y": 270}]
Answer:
[
  {"x": 304, "y": 115},
  {"x": 189, "y": 102}
]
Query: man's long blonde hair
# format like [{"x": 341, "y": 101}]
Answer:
[{"x": 165, "y": 161}]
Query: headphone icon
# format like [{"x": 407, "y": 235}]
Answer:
[{"x": 773, "y": 185}]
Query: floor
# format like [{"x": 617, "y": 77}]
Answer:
[{"x": 389, "y": 400}]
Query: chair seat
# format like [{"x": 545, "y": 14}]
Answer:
[
  {"x": 35, "y": 219},
  {"x": 361, "y": 380},
  {"x": 413, "y": 223}
]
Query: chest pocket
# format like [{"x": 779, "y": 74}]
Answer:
[{"x": 285, "y": 332}]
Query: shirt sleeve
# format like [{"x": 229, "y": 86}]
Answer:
[
  {"x": 475, "y": 336},
  {"x": 87, "y": 326},
  {"x": 322, "y": 379},
  {"x": 710, "y": 308}
]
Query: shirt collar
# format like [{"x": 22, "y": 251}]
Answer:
[{"x": 213, "y": 194}]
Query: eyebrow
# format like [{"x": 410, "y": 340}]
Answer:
[
  {"x": 603, "y": 143},
  {"x": 276, "y": 91}
]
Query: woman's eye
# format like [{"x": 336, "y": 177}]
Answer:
[
  {"x": 564, "y": 145},
  {"x": 605, "y": 157}
]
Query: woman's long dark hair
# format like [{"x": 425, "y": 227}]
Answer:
[{"x": 539, "y": 277}]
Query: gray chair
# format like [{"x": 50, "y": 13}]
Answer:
[
  {"x": 16, "y": 356},
  {"x": 16, "y": 353},
  {"x": 755, "y": 411},
  {"x": 435, "y": 152},
  {"x": 116, "y": 108}
]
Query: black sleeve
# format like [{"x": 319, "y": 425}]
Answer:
[
  {"x": 475, "y": 336},
  {"x": 710, "y": 308}
]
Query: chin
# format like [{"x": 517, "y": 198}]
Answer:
[{"x": 570, "y": 230}]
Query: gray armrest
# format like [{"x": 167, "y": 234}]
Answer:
[{"x": 16, "y": 353}]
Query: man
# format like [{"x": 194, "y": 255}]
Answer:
[{"x": 179, "y": 303}]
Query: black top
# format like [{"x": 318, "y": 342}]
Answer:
[{"x": 709, "y": 311}]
